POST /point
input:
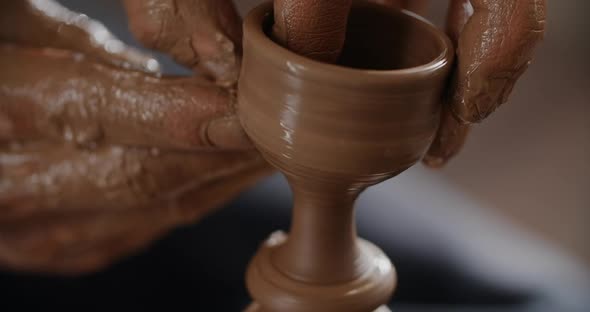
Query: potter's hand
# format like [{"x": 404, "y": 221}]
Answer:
[
  {"x": 494, "y": 40},
  {"x": 98, "y": 154}
]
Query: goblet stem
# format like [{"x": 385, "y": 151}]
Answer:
[{"x": 322, "y": 245}]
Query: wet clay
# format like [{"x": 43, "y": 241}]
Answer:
[{"x": 334, "y": 130}]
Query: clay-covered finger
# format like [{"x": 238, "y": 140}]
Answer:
[
  {"x": 204, "y": 35},
  {"x": 317, "y": 29},
  {"x": 494, "y": 48},
  {"x": 313, "y": 28},
  {"x": 46, "y": 23},
  {"x": 63, "y": 96},
  {"x": 65, "y": 181}
]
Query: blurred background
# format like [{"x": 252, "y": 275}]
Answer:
[{"x": 504, "y": 227}]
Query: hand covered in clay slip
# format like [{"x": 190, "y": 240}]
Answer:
[
  {"x": 99, "y": 154},
  {"x": 494, "y": 41}
]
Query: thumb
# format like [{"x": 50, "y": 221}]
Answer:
[{"x": 313, "y": 28}]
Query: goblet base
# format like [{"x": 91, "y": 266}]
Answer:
[{"x": 273, "y": 290}]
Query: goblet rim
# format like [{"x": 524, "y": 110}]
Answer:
[{"x": 302, "y": 65}]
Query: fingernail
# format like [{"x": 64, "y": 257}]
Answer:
[{"x": 227, "y": 132}]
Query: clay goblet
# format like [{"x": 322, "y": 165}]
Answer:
[{"x": 334, "y": 130}]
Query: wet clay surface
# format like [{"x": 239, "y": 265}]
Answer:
[{"x": 333, "y": 130}]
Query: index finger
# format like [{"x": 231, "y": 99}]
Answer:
[
  {"x": 58, "y": 95},
  {"x": 312, "y": 28}
]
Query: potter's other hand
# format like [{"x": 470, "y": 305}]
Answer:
[
  {"x": 99, "y": 154},
  {"x": 495, "y": 40}
]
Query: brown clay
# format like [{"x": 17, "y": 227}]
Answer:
[{"x": 334, "y": 130}]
